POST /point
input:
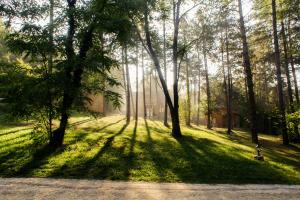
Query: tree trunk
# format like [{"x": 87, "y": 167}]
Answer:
[
  {"x": 128, "y": 111},
  {"x": 137, "y": 84},
  {"x": 144, "y": 92},
  {"x": 293, "y": 65},
  {"x": 229, "y": 82},
  {"x": 176, "y": 132},
  {"x": 132, "y": 100},
  {"x": 57, "y": 137},
  {"x": 209, "y": 123},
  {"x": 150, "y": 91},
  {"x": 176, "y": 128},
  {"x": 279, "y": 77},
  {"x": 225, "y": 80},
  {"x": 73, "y": 76},
  {"x": 286, "y": 67},
  {"x": 165, "y": 73},
  {"x": 188, "y": 100},
  {"x": 156, "y": 95},
  {"x": 50, "y": 62},
  {"x": 199, "y": 89},
  {"x": 247, "y": 66}
]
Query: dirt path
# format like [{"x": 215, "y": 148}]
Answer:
[{"x": 61, "y": 189}]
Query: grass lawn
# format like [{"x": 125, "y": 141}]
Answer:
[{"x": 108, "y": 149}]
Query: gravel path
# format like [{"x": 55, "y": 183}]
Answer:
[{"x": 70, "y": 189}]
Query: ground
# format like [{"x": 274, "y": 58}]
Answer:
[
  {"x": 109, "y": 149},
  {"x": 70, "y": 189}
]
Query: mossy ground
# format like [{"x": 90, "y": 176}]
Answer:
[{"x": 107, "y": 148}]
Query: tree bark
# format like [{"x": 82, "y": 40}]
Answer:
[
  {"x": 137, "y": 85},
  {"x": 209, "y": 122},
  {"x": 188, "y": 100},
  {"x": 128, "y": 111},
  {"x": 50, "y": 62},
  {"x": 224, "y": 76},
  {"x": 229, "y": 86},
  {"x": 247, "y": 66},
  {"x": 165, "y": 73},
  {"x": 279, "y": 77},
  {"x": 293, "y": 65},
  {"x": 176, "y": 132},
  {"x": 286, "y": 67},
  {"x": 58, "y": 135},
  {"x": 144, "y": 92},
  {"x": 73, "y": 75},
  {"x": 199, "y": 89}
]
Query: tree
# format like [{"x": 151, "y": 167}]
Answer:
[
  {"x": 249, "y": 78},
  {"x": 137, "y": 84},
  {"x": 128, "y": 110},
  {"x": 208, "y": 94},
  {"x": 174, "y": 111},
  {"x": 279, "y": 77},
  {"x": 144, "y": 92},
  {"x": 76, "y": 53}
]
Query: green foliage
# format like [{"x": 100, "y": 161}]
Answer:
[
  {"x": 293, "y": 119},
  {"x": 30, "y": 88}
]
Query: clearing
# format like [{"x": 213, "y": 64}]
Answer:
[{"x": 109, "y": 149}]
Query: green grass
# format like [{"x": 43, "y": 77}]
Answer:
[{"x": 108, "y": 149}]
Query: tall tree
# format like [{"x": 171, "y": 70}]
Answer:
[
  {"x": 50, "y": 59},
  {"x": 229, "y": 85},
  {"x": 293, "y": 64},
  {"x": 188, "y": 95},
  {"x": 144, "y": 91},
  {"x": 174, "y": 111},
  {"x": 128, "y": 96},
  {"x": 165, "y": 67},
  {"x": 137, "y": 84},
  {"x": 286, "y": 67},
  {"x": 199, "y": 87},
  {"x": 208, "y": 94},
  {"x": 279, "y": 76},
  {"x": 176, "y": 20},
  {"x": 249, "y": 76}
]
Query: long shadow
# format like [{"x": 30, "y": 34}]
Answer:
[
  {"x": 130, "y": 157},
  {"x": 148, "y": 131},
  {"x": 41, "y": 154},
  {"x": 81, "y": 122},
  {"x": 110, "y": 140},
  {"x": 104, "y": 127},
  {"x": 89, "y": 167},
  {"x": 15, "y": 131},
  {"x": 10, "y": 141},
  {"x": 222, "y": 134},
  {"x": 214, "y": 164},
  {"x": 155, "y": 156}
]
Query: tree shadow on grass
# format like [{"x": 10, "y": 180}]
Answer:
[
  {"x": 211, "y": 161},
  {"x": 103, "y": 127},
  {"x": 14, "y": 131},
  {"x": 96, "y": 167},
  {"x": 11, "y": 141},
  {"x": 158, "y": 158},
  {"x": 81, "y": 122},
  {"x": 34, "y": 158},
  {"x": 41, "y": 155},
  {"x": 131, "y": 156}
]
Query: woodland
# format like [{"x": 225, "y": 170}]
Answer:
[{"x": 150, "y": 90}]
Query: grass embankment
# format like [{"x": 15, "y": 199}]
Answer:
[{"x": 107, "y": 148}]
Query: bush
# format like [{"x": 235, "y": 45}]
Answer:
[{"x": 293, "y": 121}]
